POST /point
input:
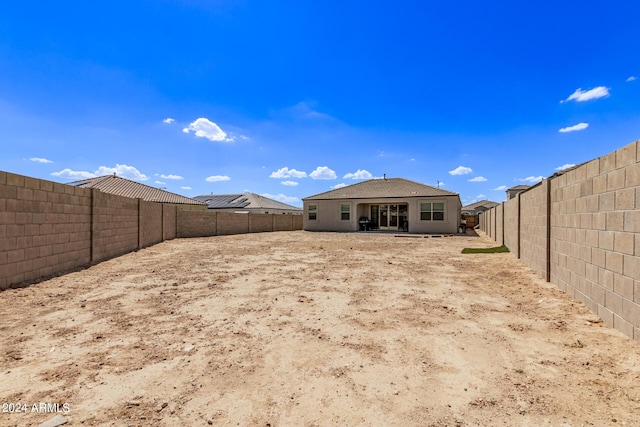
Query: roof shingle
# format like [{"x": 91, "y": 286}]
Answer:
[{"x": 382, "y": 188}]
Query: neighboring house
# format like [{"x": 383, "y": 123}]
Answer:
[
  {"x": 513, "y": 191},
  {"x": 384, "y": 204},
  {"x": 119, "y": 186},
  {"x": 478, "y": 207},
  {"x": 247, "y": 203}
]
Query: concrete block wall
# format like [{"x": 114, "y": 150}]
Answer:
[
  {"x": 499, "y": 211},
  {"x": 595, "y": 237},
  {"x": 584, "y": 235},
  {"x": 114, "y": 226},
  {"x": 259, "y": 223},
  {"x": 283, "y": 222},
  {"x": 44, "y": 227},
  {"x": 151, "y": 221},
  {"x": 196, "y": 223},
  {"x": 512, "y": 225},
  {"x": 534, "y": 228},
  {"x": 169, "y": 221},
  {"x": 232, "y": 223}
]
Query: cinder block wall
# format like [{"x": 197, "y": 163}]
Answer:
[
  {"x": 115, "y": 225},
  {"x": 151, "y": 222},
  {"x": 591, "y": 246},
  {"x": 511, "y": 225},
  {"x": 169, "y": 221},
  {"x": 44, "y": 228},
  {"x": 533, "y": 228},
  {"x": 499, "y": 211},
  {"x": 283, "y": 222},
  {"x": 261, "y": 222},
  {"x": 196, "y": 223},
  {"x": 232, "y": 223}
]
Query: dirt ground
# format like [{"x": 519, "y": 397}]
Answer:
[{"x": 312, "y": 329}]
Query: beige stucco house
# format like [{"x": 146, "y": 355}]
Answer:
[{"x": 384, "y": 204}]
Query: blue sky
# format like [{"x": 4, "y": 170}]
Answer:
[{"x": 292, "y": 98}]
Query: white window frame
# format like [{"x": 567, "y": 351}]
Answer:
[
  {"x": 313, "y": 211},
  {"x": 431, "y": 210},
  {"x": 348, "y": 205}
]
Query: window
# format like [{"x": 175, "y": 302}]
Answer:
[
  {"x": 345, "y": 211},
  {"x": 313, "y": 212},
  {"x": 432, "y": 211}
]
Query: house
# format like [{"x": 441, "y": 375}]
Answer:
[
  {"x": 384, "y": 204},
  {"x": 478, "y": 207},
  {"x": 119, "y": 186},
  {"x": 513, "y": 191},
  {"x": 247, "y": 203}
]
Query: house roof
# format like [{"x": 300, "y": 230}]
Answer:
[
  {"x": 382, "y": 188},
  {"x": 482, "y": 203},
  {"x": 519, "y": 187},
  {"x": 243, "y": 201},
  {"x": 119, "y": 186}
]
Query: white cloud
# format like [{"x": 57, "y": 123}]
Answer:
[
  {"x": 285, "y": 172},
  {"x": 161, "y": 183},
  {"x": 579, "y": 126},
  {"x": 359, "y": 174},
  {"x": 631, "y": 78},
  {"x": 205, "y": 128},
  {"x": 281, "y": 198},
  {"x": 461, "y": 170},
  {"x": 323, "y": 172},
  {"x": 244, "y": 137},
  {"x": 71, "y": 174},
  {"x": 532, "y": 179},
  {"x": 501, "y": 188},
  {"x": 186, "y": 188},
  {"x": 565, "y": 166},
  {"x": 342, "y": 184},
  {"x": 123, "y": 171},
  {"x": 163, "y": 176},
  {"x": 289, "y": 183},
  {"x": 168, "y": 120},
  {"x": 478, "y": 179},
  {"x": 586, "y": 95},
  {"x": 40, "y": 160},
  {"x": 217, "y": 178},
  {"x": 480, "y": 196}
]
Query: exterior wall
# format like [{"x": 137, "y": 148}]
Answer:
[
  {"x": 231, "y": 223},
  {"x": 533, "y": 228},
  {"x": 115, "y": 225},
  {"x": 283, "y": 222},
  {"x": 259, "y": 223},
  {"x": 48, "y": 228},
  {"x": 512, "y": 225},
  {"x": 586, "y": 239},
  {"x": 44, "y": 228},
  {"x": 499, "y": 210},
  {"x": 329, "y": 218}
]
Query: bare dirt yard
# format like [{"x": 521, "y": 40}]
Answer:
[{"x": 312, "y": 329}]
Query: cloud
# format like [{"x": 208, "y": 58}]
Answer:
[
  {"x": 480, "y": 196},
  {"x": 217, "y": 178},
  {"x": 532, "y": 179},
  {"x": 342, "y": 184},
  {"x": 359, "y": 174},
  {"x": 478, "y": 179},
  {"x": 631, "y": 78},
  {"x": 461, "y": 170},
  {"x": 186, "y": 188},
  {"x": 285, "y": 172},
  {"x": 246, "y": 138},
  {"x": 168, "y": 120},
  {"x": 565, "y": 166},
  {"x": 163, "y": 176},
  {"x": 501, "y": 188},
  {"x": 574, "y": 128},
  {"x": 40, "y": 160},
  {"x": 281, "y": 198},
  {"x": 204, "y": 128},
  {"x": 289, "y": 183},
  {"x": 161, "y": 183},
  {"x": 586, "y": 95},
  {"x": 323, "y": 172},
  {"x": 123, "y": 171}
]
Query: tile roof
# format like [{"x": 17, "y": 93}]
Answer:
[
  {"x": 382, "y": 188},
  {"x": 240, "y": 201},
  {"x": 486, "y": 203},
  {"x": 124, "y": 187}
]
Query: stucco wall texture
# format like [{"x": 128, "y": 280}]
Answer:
[{"x": 581, "y": 231}]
